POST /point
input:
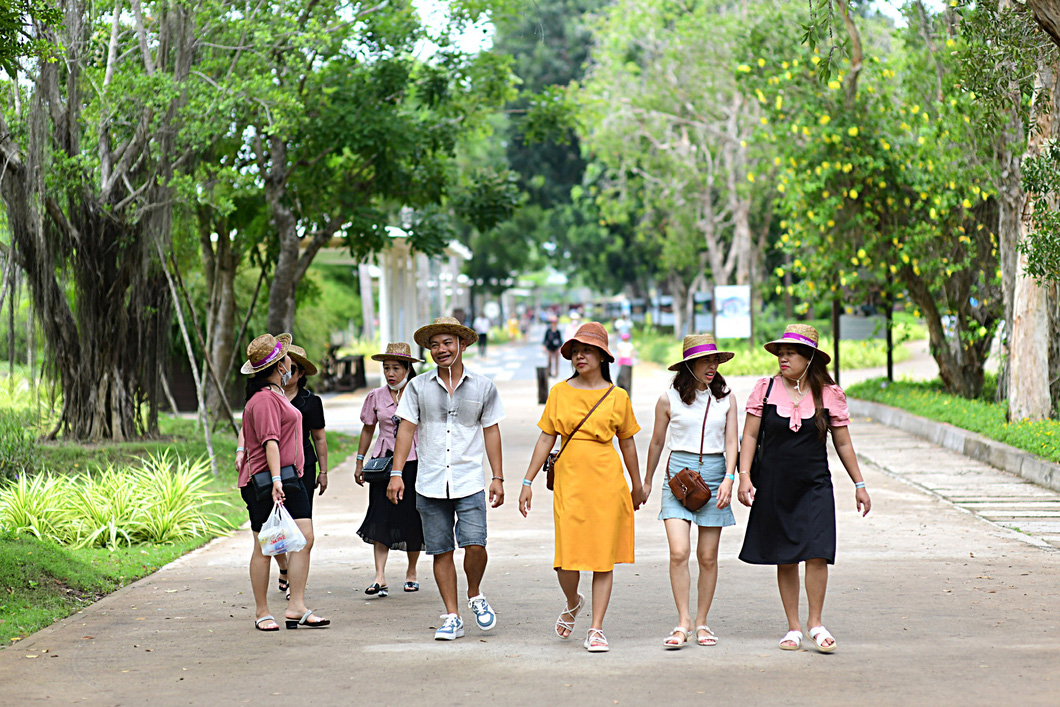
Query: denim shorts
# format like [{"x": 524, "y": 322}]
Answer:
[{"x": 444, "y": 518}]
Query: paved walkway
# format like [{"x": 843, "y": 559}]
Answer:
[{"x": 929, "y": 604}]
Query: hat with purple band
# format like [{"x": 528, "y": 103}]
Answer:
[
  {"x": 700, "y": 345},
  {"x": 799, "y": 335},
  {"x": 399, "y": 351},
  {"x": 264, "y": 351}
]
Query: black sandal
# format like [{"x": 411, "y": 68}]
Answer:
[
  {"x": 283, "y": 583},
  {"x": 377, "y": 589},
  {"x": 411, "y": 586}
]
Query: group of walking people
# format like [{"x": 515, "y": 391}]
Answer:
[{"x": 435, "y": 429}]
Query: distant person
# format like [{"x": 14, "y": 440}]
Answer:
[
  {"x": 272, "y": 428},
  {"x": 456, "y": 413},
  {"x": 573, "y": 326},
  {"x": 481, "y": 325},
  {"x": 514, "y": 333},
  {"x": 624, "y": 350},
  {"x": 552, "y": 341},
  {"x": 696, "y": 418},
  {"x": 623, "y": 325},
  {"x": 388, "y": 526},
  {"x": 592, "y": 507},
  {"x": 792, "y": 504}
]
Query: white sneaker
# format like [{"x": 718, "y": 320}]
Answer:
[
  {"x": 485, "y": 617},
  {"x": 452, "y": 628}
]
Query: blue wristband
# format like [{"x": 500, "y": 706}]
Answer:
[
  {"x": 730, "y": 477},
  {"x": 859, "y": 485},
  {"x": 395, "y": 472},
  {"x": 275, "y": 479},
  {"x": 527, "y": 482}
]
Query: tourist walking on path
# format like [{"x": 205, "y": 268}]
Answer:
[
  {"x": 272, "y": 428},
  {"x": 314, "y": 441},
  {"x": 792, "y": 517},
  {"x": 553, "y": 340},
  {"x": 482, "y": 331},
  {"x": 456, "y": 413},
  {"x": 592, "y": 507},
  {"x": 696, "y": 419},
  {"x": 388, "y": 526}
]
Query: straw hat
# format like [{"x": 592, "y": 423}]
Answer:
[
  {"x": 444, "y": 325},
  {"x": 298, "y": 355},
  {"x": 399, "y": 351},
  {"x": 592, "y": 333},
  {"x": 700, "y": 345},
  {"x": 264, "y": 351},
  {"x": 800, "y": 335}
]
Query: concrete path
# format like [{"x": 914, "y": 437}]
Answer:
[{"x": 929, "y": 604}]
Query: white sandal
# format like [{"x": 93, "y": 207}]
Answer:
[
  {"x": 820, "y": 635},
  {"x": 596, "y": 641},
  {"x": 569, "y": 625},
  {"x": 671, "y": 640},
  {"x": 709, "y": 640},
  {"x": 793, "y": 636}
]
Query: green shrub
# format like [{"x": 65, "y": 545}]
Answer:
[
  {"x": 18, "y": 445},
  {"x": 983, "y": 416}
]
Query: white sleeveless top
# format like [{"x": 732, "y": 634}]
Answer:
[{"x": 686, "y": 423}]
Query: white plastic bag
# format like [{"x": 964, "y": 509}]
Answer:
[{"x": 280, "y": 533}]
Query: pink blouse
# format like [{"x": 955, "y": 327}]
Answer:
[
  {"x": 833, "y": 398},
  {"x": 379, "y": 408}
]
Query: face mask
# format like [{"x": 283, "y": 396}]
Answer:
[
  {"x": 400, "y": 385},
  {"x": 285, "y": 378}
]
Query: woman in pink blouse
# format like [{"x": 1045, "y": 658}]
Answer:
[
  {"x": 789, "y": 491},
  {"x": 386, "y": 525}
]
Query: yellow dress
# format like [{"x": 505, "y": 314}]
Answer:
[{"x": 592, "y": 507}]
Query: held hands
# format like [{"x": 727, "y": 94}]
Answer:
[
  {"x": 524, "y": 500},
  {"x": 746, "y": 494},
  {"x": 497, "y": 493},
  {"x": 277, "y": 492},
  {"x": 640, "y": 497},
  {"x": 358, "y": 473},
  {"x": 395, "y": 490},
  {"x": 864, "y": 504},
  {"x": 725, "y": 493}
]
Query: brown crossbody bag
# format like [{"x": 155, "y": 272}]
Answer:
[
  {"x": 553, "y": 457},
  {"x": 688, "y": 486}
]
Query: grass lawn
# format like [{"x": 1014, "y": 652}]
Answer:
[
  {"x": 42, "y": 582},
  {"x": 983, "y": 416}
]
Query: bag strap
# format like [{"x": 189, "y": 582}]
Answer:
[
  {"x": 765, "y": 400},
  {"x": 575, "y": 431},
  {"x": 702, "y": 437}
]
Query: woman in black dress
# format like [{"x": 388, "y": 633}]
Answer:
[
  {"x": 389, "y": 526},
  {"x": 792, "y": 517}
]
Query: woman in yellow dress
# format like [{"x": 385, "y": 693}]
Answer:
[{"x": 592, "y": 506}]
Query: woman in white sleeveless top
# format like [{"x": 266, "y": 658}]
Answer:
[{"x": 705, "y": 440}]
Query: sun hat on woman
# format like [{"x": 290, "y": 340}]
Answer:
[
  {"x": 591, "y": 333},
  {"x": 298, "y": 355},
  {"x": 697, "y": 346},
  {"x": 264, "y": 351},
  {"x": 399, "y": 351},
  {"x": 444, "y": 325},
  {"x": 800, "y": 335}
]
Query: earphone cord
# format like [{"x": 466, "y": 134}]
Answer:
[{"x": 799, "y": 381}]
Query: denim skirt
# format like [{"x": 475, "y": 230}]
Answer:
[{"x": 713, "y": 472}]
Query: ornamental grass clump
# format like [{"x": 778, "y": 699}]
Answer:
[{"x": 162, "y": 500}]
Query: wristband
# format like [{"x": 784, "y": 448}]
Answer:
[
  {"x": 240, "y": 449},
  {"x": 527, "y": 482},
  {"x": 395, "y": 472},
  {"x": 498, "y": 478},
  {"x": 275, "y": 479},
  {"x": 743, "y": 472},
  {"x": 730, "y": 477},
  {"x": 859, "y": 485},
  {"x": 360, "y": 457}
]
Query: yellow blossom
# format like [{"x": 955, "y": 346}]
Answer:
[
  {"x": 779, "y": 103},
  {"x": 834, "y": 85},
  {"x": 853, "y": 193},
  {"x": 761, "y": 96},
  {"x": 966, "y": 204},
  {"x": 761, "y": 62},
  {"x": 852, "y": 132},
  {"x": 781, "y": 188},
  {"x": 743, "y": 68},
  {"x": 824, "y": 119},
  {"x": 764, "y": 120},
  {"x": 816, "y": 60},
  {"x": 886, "y": 145},
  {"x": 751, "y": 176}
]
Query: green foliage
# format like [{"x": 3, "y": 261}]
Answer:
[
  {"x": 18, "y": 445},
  {"x": 980, "y": 415},
  {"x": 20, "y": 32},
  {"x": 1040, "y": 175}
]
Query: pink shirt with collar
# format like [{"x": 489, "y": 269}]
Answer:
[
  {"x": 379, "y": 408},
  {"x": 833, "y": 398}
]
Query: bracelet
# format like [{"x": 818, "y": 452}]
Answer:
[
  {"x": 240, "y": 449},
  {"x": 743, "y": 472},
  {"x": 275, "y": 479},
  {"x": 730, "y": 477},
  {"x": 527, "y": 482},
  {"x": 498, "y": 478},
  {"x": 323, "y": 473},
  {"x": 360, "y": 457},
  {"x": 396, "y": 472},
  {"x": 859, "y": 485}
]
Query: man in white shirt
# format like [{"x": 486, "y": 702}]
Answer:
[
  {"x": 456, "y": 413},
  {"x": 482, "y": 331}
]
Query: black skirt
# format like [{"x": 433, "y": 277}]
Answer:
[
  {"x": 395, "y": 525},
  {"x": 793, "y": 515}
]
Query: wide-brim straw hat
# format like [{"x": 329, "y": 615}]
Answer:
[
  {"x": 444, "y": 325},
  {"x": 298, "y": 355},
  {"x": 800, "y": 335},
  {"x": 591, "y": 333},
  {"x": 398, "y": 351},
  {"x": 700, "y": 345},
  {"x": 264, "y": 351}
]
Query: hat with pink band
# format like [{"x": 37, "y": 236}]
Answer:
[
  {"x": 697, "y": 346},
  {"x": 799, "y": 335}
]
